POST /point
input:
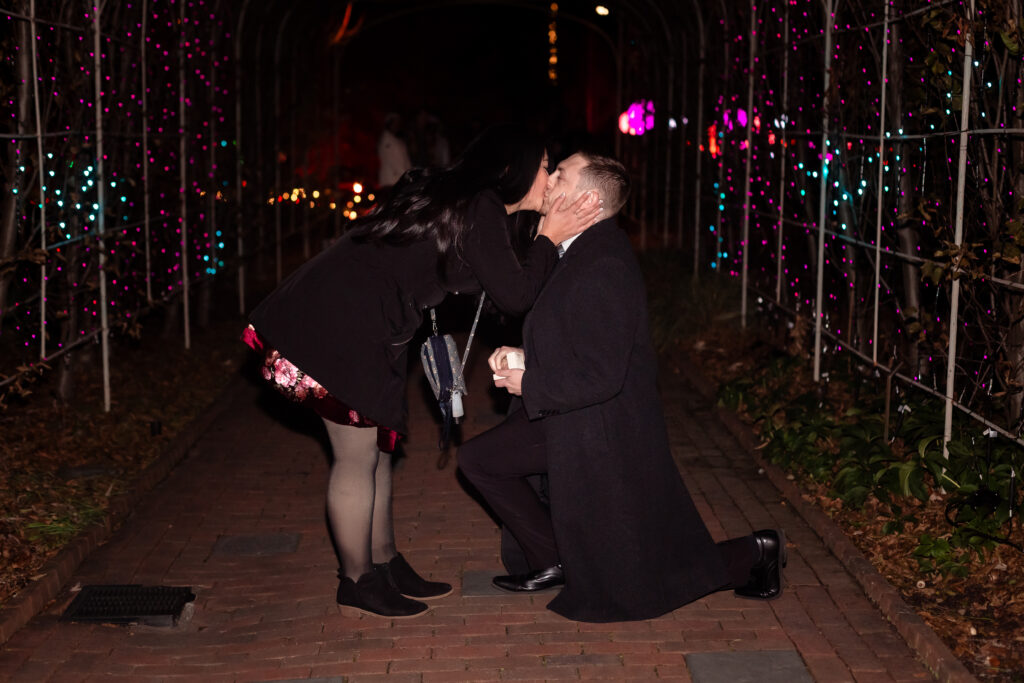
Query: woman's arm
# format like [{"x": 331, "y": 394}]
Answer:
[
  {"x": 487, "y": 249},
  {"x": 514, "y": 285}
]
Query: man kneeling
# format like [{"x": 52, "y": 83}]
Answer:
[{"x": 622, "y": 535}]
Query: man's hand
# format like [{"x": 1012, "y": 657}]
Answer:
[
  {"x": 512, "y": 381},
  {"x": 499, "y": 361},
  {"x": 504, "y": 378}
]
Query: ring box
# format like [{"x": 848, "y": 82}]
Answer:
[{"x": 515, "y": 361}]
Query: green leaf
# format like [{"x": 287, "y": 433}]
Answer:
[{"x": 1011, "y": 42}]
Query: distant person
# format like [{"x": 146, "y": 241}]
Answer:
[
  {"x": 392, "y": 152},
  {"x": 347, "y": 316},
  {"x": 621, "y": 537},
  {"x": 436, "y": 147}
]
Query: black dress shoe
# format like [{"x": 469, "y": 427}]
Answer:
[
  {"x": 766, "y": 575},
  {"x": 542, "y": 579}
]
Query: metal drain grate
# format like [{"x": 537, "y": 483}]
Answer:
[{"x": 150, "y": 605}]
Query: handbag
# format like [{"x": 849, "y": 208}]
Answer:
[{"x": 444, "y": 370}]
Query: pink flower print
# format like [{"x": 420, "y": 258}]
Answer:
[
  {"x": 300, "y": 392},
  {"x": 268, "y": 374},
  {"x": 311, "y": 386},
  {"x": 285, "y": 373}
]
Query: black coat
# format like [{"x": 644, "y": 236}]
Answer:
[
  {"x": 346, "y": 316},
  {"x": 629, "y": 537}
]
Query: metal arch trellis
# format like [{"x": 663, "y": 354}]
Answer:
[
  {"x": 749, "y": 210},
  {"x": 744, "y": 208},
  {"x": 104, "y": 236},
  {"x": 178, "y": 159}
]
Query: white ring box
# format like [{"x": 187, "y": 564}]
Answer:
[{"x": 515, "y": 361}]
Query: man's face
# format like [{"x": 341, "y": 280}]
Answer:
[{"x": 565, "y": 179}]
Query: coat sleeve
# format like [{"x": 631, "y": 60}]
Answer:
[
  {"x": 598, "y": 323},
  {"x": 513, "y": 286}
]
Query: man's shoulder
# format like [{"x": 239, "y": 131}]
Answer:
[{"x": 608, "y": 240}]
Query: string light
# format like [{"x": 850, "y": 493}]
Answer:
[{"x": 553, "y": 44}]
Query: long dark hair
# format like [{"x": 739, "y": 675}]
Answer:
[{"x": 431, "y": 203}]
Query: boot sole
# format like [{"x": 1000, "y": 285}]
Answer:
[
  {"x": 352, "y": 611},
  {"x": 429, "y": 597}
]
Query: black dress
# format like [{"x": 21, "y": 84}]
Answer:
[{"x": 346, "y": 316}]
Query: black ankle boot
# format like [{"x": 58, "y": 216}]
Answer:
[
  {"x": 766, "y": 575},
  {"x": 407, "y": 582},
  {"x": 374, "y": 594}
]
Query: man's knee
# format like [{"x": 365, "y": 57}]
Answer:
[{"x": 471, "y": 458}]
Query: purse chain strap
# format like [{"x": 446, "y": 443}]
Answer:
[{"x": 472, "y": 331}]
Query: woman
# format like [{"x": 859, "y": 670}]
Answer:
[{"x": 346, "y": 318}]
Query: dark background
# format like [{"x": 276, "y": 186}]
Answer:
[{"x": 466, "y": 65}]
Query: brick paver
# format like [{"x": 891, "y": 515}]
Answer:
[{"x": 260, "y": 469}]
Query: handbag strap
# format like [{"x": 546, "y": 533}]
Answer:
[{"x": 472, "y": 331}]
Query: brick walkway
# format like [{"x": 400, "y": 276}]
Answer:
[{"x": 255, "y": 482}]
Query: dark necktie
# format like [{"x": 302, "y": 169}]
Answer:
[{"x": 561, "y": 251}]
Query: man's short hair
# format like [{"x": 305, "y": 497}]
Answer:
[{"x": 608, "y": 177}]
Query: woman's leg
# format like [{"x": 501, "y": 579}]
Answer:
[
  {"x": 382, "y": 544},
  {"x": 382, "y": 539},
  {"x": 352, "y": 494}
]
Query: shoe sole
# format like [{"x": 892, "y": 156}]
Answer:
[
  {"x": 515, "y": 591},
  {"x": 430, "y": 597},
  {"x": 352, "y": 611}
]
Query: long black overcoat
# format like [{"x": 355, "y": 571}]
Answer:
[
  {"x": 346, "y": 316},
  {"x": 630, "y": 539}
]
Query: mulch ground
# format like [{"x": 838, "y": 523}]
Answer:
[
  {"x": 979, "y": 617},
  {"x": 62, "y": 462}
]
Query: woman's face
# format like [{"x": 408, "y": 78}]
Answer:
[{"x": 535, "y": 197}]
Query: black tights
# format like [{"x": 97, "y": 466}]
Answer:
[{"x": 359, "y": 499}]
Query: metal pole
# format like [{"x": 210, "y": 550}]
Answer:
[
  {"x": 720, "y": 205},
  {"x": 261, "y": 186},
  {"x": 824, "y": 191},
  {"x": 277, "y": 142},
  {"x": 958, "y": 238},
  {"x": 682, "y": 138},
  {"x": 881, "y": 179},
  {"x": 683, "y": 131},
  {"x": 782, "y": 162},
  {"x": 182, "y": 160},
  {"x": 42, "y": 180},
  {"x": 212, "y": 231},
  {"x": 697, "y": 156},
  {"x": 293, "y": 150},
  {"x": 145, "y": 156},
  {"x": 101, "y": 201},
  {"x": 239, "y": 195},
  {"x": 618, "y": 89},
  {"x": 668, "y": 148},
  {"x": 336, "y": 193},
  {"x": 745, "y": 241}
]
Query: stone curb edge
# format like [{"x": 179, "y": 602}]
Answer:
[
  {"x": 943, "y": 664},
  {"x": 31, "y": 600}
]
